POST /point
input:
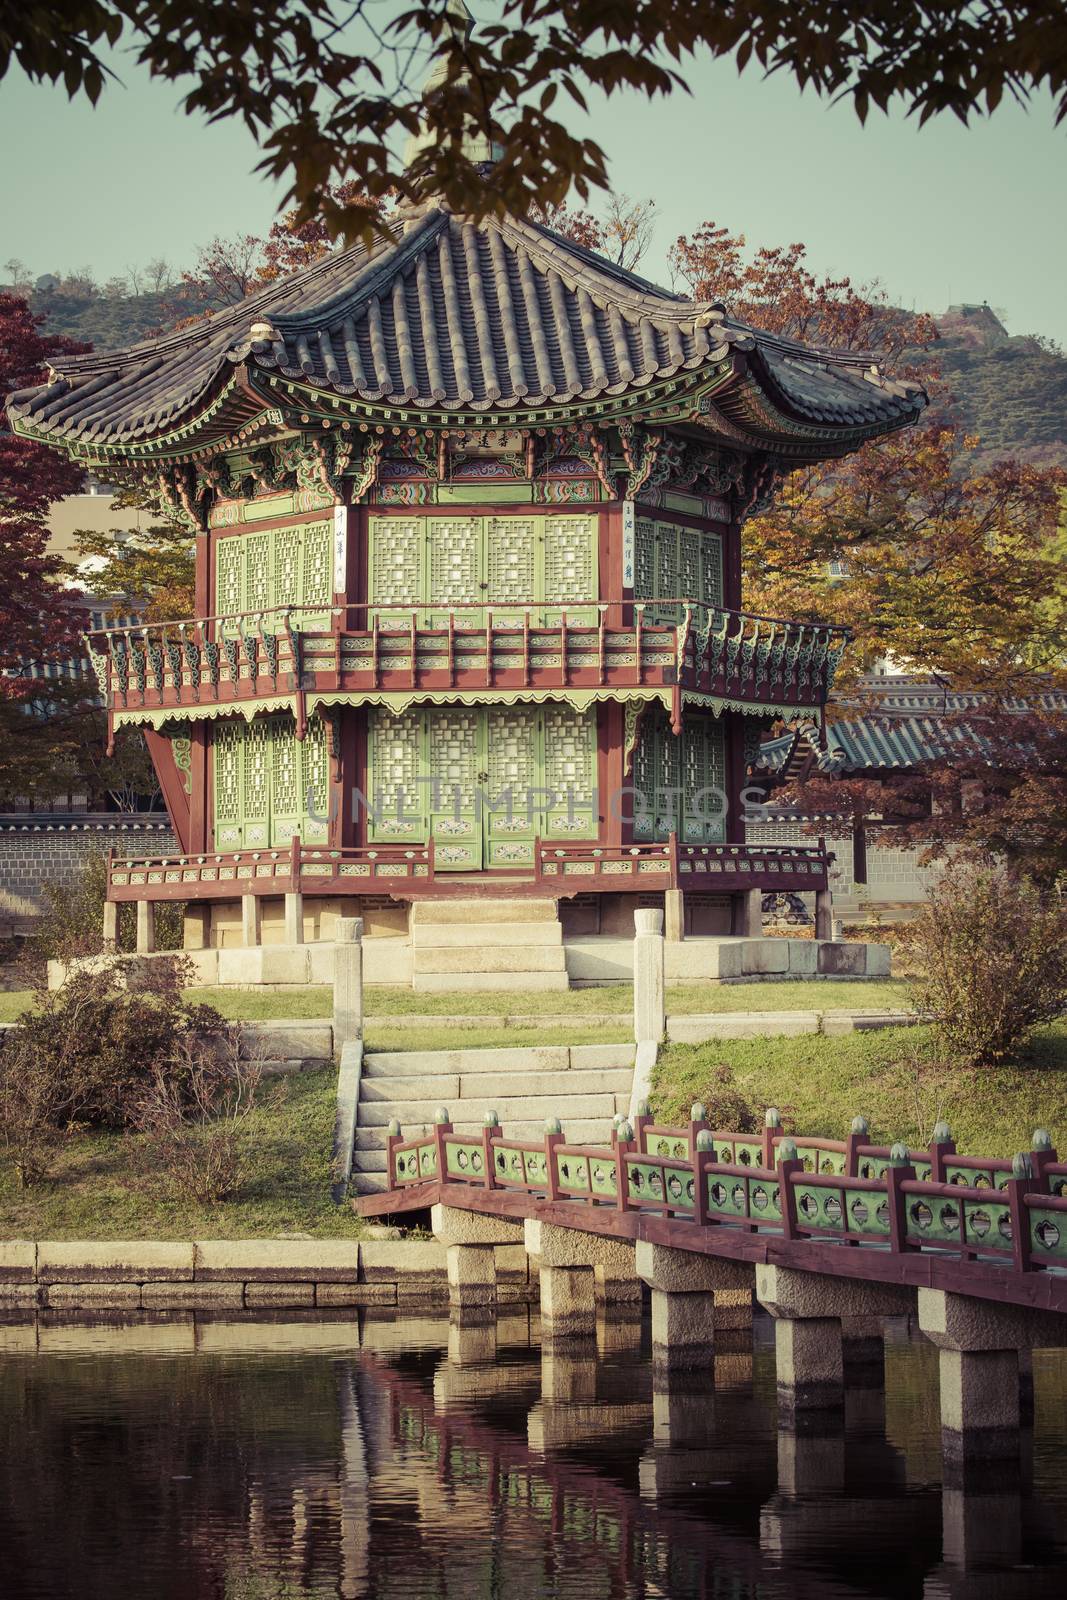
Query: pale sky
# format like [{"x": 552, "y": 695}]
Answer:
[{"x": 940, "y": 214}]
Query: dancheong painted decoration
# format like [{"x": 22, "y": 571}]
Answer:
[{"x": 468, "y": 508}]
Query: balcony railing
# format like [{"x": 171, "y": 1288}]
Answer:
[
  {"x": 260, "y": 655},
  {"x": 406, "y": 871}
]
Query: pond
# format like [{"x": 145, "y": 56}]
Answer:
[{"x": 409, "y": 1459}]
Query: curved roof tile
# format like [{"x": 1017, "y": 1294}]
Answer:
[{"x": 452, "y": 314}]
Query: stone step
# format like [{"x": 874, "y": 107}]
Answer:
[
  {"x": 514, "y": 1058},
  {"x": 578, "y": 1130},
  {"x": 474, "y": 911},
  {"x": 476, "y": 959},
  {"x": 474, "y": 982},
  {"x": 445, "y": 935},
  {"x": 525, "y": 1108},
  {"x": 456, "y": 1089}
]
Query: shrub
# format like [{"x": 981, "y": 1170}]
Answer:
[
  {"x": 726, "y": 1105},
  {"x": 194, "y": 1119},
  {"x": 105, "y": 1042},
  {"x": 35, "y": 1111},
  {"x": 991, "y": 949},
  {"x": 73, "y": 922}
]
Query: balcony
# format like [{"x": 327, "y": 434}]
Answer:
[
  {"x": 358, "y": 650},
  {"x": 408, "y": 871}
]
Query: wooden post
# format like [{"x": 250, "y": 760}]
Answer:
[
  {"x": 896, "y": 1173},
  {"x": 1018, "y": 1187},
  {"x": 674, "y": 915},
  {"x": 824, "y": 914},
  {"x": 489, "y": 1131},
  {"x": 146, "y": 927},
  {"x": 553, "y": 1137},
  {"x": 251, "y": 921},
  {"x": 622, "y": 1148},
  {"x": 788, "y": 1163},
  {"x": 111, "y": 921}
]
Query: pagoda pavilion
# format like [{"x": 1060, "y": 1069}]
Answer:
[{"x": 468, "y": 509}]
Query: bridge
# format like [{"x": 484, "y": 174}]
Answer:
[{"x": 831, "y": 1235}]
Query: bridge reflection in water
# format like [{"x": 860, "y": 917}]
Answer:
[{"x": 404, "y": 1459}]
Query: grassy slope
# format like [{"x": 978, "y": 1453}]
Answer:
[
  {"x": 820, "y": 1084},
  {"x": 98, "y": 1192}
]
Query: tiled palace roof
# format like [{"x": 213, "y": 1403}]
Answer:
[{"x": 458, "y": 316}]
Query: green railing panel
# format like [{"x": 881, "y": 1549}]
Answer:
[
  {"x": 645, "y": 1180},
  {"x": 535, "y": 1166},
  {"x": 417, "y": 1163},
  {"x": 867, "y": 1213},
  {"x": 934, "y": 1218},
  {"x": 1048, "y": 1234},
  {"x": 659, "y": 1144},
  {"x": 572, "y": 1172},
  {"x": 466, "y": 1160},
  {"x": 739, "y": 1152},
  {"x": 764, "y": 1199},
  {"x": 970, "y": 1177},
  {"x": 727, "y": 1196},
  {"x": 831, "y": 1162},
  {"x": 818, "y": 1207},
  {"x": 509, "y": 1165},
  {"x": 603, "y": 1177},
  {"x": 986, "y": 1224}
]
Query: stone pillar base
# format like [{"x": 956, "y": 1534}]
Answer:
[
  {"x": 683, "y": 1330},
  {"x": 810, "y": 1365},
  {"x": 863, "y": 1347},
  {"x": 568, "y": 1303},
  {"x": 294, "y": 918},
  {"x": 471, "y": 1274},
  {"x": 251, "y": 921},
  {"x": 979, "y": 1411},
  {"x": 146, "y": 927}
]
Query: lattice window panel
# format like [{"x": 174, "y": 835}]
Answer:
[
  {"x": 315, "y": 782},
  {"x": 229, "y": 576},
  {"x": 570, "y": 565},
  {"x": 644, "y": 558},
  {"x": 455, "y": 560},
  {"x": 710, "y": 590},
  {"x": 257, "y": 782},
  {"x": 454, "y": 756},
  {"x": 570, "y": 743},
  {"x": 690, "y": 577},
  {"x": 285, "y": 769},
  {"x": 668, "y": 577},
  {"x": 510, "y": 558},
  {"x": 657, "y": 778},
  {"x": 511, "y": 755},
  {"x": 396, "y": 567},
  {"x": 258, "y": 574},
  {"x": 287, "y": 566},
  {"x": 227, "y": 747},
  {"x": 703, "y": 770},
  {"x": 395, "y": 760},
  {"x": 318, "y": 564}
]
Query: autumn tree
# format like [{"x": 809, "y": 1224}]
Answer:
[{"x": 329, "y": 91}]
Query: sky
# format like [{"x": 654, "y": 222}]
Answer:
[{"x": 937, "y": 215}]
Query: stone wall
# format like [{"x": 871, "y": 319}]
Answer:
[
  {"x": 36, "y": 849},
  {"x": 894, "y": 877},
  {"x": 224, "y": 1274}
]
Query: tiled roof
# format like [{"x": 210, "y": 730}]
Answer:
[{"x": 454, "y": 315}]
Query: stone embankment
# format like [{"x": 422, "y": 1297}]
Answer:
[{"x": 77, "y": 1275}]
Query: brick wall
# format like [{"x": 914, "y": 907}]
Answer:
[{"x": 35, "y": 850}]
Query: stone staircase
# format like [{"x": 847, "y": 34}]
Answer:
[
  {"x": 584, "y": 1085},
  {"x": 486, "y": 944}
]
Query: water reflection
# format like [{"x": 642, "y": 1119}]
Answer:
[{"x": 385, "y": 1459}]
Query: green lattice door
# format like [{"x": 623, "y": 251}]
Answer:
[
  {"x": 267, "y": 568},
  {"x": 262, "y": 776},
  {"x": 679, "y": 782},
  {"x": 456, "y": 754},
  {"x": 675, "y": 563},
  {"x": 444, "y": 563},
  {"x": 501, "y": 776}
]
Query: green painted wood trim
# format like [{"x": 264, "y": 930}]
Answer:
[{"x": 398, "y": 700}]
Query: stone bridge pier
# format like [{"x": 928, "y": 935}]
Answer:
[
  {"x": 579, "y": 1271},
  {"x": 986, "y": 1382},
  {"x": 815, "y": 1318},
  {"x": 684, "y": 1285}
]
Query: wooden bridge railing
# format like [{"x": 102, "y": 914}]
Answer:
[{"x": 850, "y": 1191}]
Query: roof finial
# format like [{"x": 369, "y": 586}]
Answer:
[{"x": 477, "y": 147}]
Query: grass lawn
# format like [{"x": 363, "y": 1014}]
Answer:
[
  {"x": 877, "y": 994},
  {"x": 97, "y": 1190},
  {"x": 891, "y": 1077}
]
